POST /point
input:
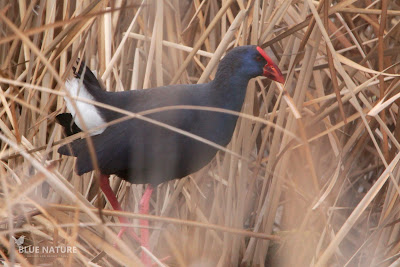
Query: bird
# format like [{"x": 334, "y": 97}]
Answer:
[
  {"x": 142, "y": 152},
  {"x": 19, "y": 241}
]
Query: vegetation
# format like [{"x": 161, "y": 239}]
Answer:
[{"x": 311, "y": 175}]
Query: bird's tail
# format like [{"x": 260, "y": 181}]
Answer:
[
  {"x": 66, "y": 121},
  {"x": 90, "y": 81}
]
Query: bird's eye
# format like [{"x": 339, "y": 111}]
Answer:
[{"x": 259, "y": 58}]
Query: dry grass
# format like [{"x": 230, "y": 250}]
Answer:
[{"x": 326, "y": 196}]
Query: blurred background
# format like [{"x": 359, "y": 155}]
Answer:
[{"x": 317, "y": 185}]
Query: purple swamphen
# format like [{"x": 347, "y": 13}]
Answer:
[{"x": 141, "y": 152}]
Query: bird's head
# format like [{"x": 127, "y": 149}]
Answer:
[{"x": 252, "y": 61}]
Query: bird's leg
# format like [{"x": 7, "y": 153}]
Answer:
[
  {"x": 105, "y": 187},
  {"x": 144, "y": 224},
  {"x": 143, "y": 209}
]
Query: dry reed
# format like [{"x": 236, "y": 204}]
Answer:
[{"x": 311, "y": 177}]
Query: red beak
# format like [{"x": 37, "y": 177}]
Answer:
[{"x": 271, "y": 70}]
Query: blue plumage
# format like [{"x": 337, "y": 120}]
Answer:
[{"x": 141, "y": 152}]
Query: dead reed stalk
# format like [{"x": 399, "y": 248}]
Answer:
[{"x": 311, "y": 176}]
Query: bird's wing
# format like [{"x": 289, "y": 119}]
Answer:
[
  {"x": 110, "y": 148},
  {"x": 142, "y": 146},
  {"x": 129, "y": 144}
]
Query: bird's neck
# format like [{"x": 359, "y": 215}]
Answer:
[{"x": 230, "y": 89}]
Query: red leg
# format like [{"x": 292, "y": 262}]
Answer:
[
  {"x": 105, "y": 187},
  {"x": 144, "y": 209},
  {"x": 144, "y": 230}
]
